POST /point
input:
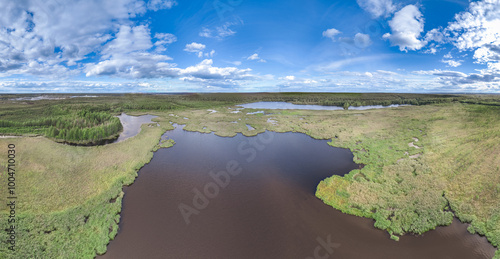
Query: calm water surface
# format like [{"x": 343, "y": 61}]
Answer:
[
  {"x": 286, "y": 106},
  {"x": 132, "y": 125},
  {"x": 266, "y": 210}
]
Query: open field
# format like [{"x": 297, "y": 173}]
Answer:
[{"x": 423, "y": 164}]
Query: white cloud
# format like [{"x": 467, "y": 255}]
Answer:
[
  {"x": 194, "y": 47},
  {"x": 218, "y": 32},
  {"x": 56, "y": 86},
  {"x": 484, "y": 81},
  {"x": 210, "y": 54},
  {"x": 156, "y": 5},
  {"x": 362, "y": 40},
  {"x": 128, "y": 40},
  {"x": 478, "y": 26},
  {"x": 436, "y": 35},
  {"x": 205, "y": 70},
  {"x": 377, "y": 8},
  {"x": 385, "y": 72},
  {"x": 431, "y": 50},
  {"x": 206, "y": 74},
  {"x": 452, "y": 63},
  {"x": 331, "y": 33},
  {"x": 478, "y": 30},
  {"x": 406, "y": 26},
  {"x": 255, "y": 56},
  {"x": 198, "y": 48},
  {"x": 165, "y": 38},
  {"x": 438, "y": 72},
  {"x": 127, "y": 55},
  {"x": 52, "y": 33},
  {"x": 162, "y": 40},
  {"x": 348, "y": 81}
]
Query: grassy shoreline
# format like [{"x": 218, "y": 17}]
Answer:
[
  {"x": 413, "y": 157},
  {"x": 70, "y": 197}
]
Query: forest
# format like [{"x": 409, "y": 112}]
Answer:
[
  {"x": 82, "y": 127},
  {"x": 91, "y": 120},
  {"x": 405, "y": 190}
]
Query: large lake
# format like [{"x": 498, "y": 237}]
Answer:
[
  {"x": 290, "y": 106},
  {"x": 261, "y": 205}
]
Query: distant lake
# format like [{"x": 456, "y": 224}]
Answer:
[
  {"x": 290, "y": 106},
  {"x": 253, "y": 197}
]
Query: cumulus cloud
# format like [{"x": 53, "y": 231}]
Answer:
[
  {"x": 452, "y": 63},
  {"x": 163, "y": 39},
  {"x": 55, "y": 34},
  {"x": 127, "y": 55},
  {"x": 206, "y": 74},
  {"x": 347, "y": 81},
  {"x": 205, "y": 70},
  {"x": 331, "y": 33},
  {"x": 194, "y": 47},
  {"x": 478, "y": 29},
  {"x": 436, "y": 35},
  {"x": 198, "y": 48},
  {"x": 478, "y": 26},
  {"x": 166, "y": 38},
  {"x": 377, "y": 8},
  {"x": 487, "y": 53},
  {"x": 406, "y": 26},
  {"x": 255, "y": 56}
]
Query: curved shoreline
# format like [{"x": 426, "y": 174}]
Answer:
[{"x": 319, "y": 126}]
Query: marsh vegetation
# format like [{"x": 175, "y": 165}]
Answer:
[{"x": 71, "y": 195}]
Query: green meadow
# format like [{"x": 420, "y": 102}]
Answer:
[{"x": 423, "y": 164}]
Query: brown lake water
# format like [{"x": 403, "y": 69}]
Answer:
[{"x": 253, "y": 197}]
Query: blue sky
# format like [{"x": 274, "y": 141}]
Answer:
[{"x": 421, "y": 46}]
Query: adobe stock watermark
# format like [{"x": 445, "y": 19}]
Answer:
[
  {"x": 248, "y": 149},
  {"x": 362, "y": 40},
  {"x": 49, "y": 7},
  {"x": 225, "y": 6},
  {"x": 324, "y": 249}
]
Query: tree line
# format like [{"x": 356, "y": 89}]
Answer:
[{"x": 82, "y": 127}]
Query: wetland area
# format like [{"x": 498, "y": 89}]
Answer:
[
  {"x": 239, "y": 129},
  {"x": 199, "y": 176},
  {"x": 253, "y": 197}
]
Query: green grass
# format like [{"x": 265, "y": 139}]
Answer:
[
  {"x": 70, "y": 196},
  {"x": 455, "y": 175},
  {"x": 454, "y": 172}
]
